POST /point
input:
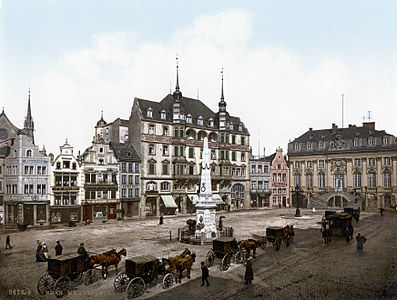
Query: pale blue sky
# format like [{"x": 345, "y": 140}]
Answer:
[{"x": 361, "y": 36}]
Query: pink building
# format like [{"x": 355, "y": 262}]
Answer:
[{"x": 279, "y": 180}]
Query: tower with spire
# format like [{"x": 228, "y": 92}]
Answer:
[
  {"x": 28, "y": 126},
  {"x": 178, "y": 109},
  {"x": 222, "y": 117}
]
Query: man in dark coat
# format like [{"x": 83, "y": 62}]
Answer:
[
  {"x": 8, "y": 245},
  {"x": 81, "y": 250},
  {"x": 360, "y": 241},
  {"x": 58, "y": 249},
  {"x": 205, "y": 273},
  {"x": 249, "y": 273}
]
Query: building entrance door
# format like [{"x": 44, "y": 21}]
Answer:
[
  {"x": 112, "y": 211},
  {"x": 87, "y": 212},
  {"x": 28, "y": 214}
]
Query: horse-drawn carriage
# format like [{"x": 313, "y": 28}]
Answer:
[
  {"x": 276, "y": 235},
  {"x": 62, "y": 270},
  {"x": 339, "y": 224},
  {"x": 355, "y": 212},
  {"x": 149, "y": 270},
  {"x": 227, "y": 249}
]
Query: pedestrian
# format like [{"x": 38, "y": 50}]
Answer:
[
  {"x": 205, "y": 273},
  {"x": 81, "y": 250},
  {"x": 381, "y": 211},
  {"x": 360, "y": 241},
  {"x": 45, "y": 250},
  {"x": 58, "y": 249},
  {"x": 161, "y": 218},
  {"x": 249, "y": 273},
  {"x": 39, "y": 253},
  {"x": 8, "y": 245},
  {"x": 228, "y": 207}
]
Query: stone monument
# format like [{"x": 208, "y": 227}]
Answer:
[{"x": 206, "y": 206}]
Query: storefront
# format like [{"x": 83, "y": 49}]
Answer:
[
  {"x": 168, "y": 205},
  {"x": 27, "y": 213},
  {"x": 106, "y": 209},
  {"x": 62, "y": 214}
]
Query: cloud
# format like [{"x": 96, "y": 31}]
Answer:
[{"x": 268, "y": 87}]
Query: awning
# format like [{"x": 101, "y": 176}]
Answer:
[
  {"x": 218, "y": 200},
  {"x": 169, "y": 201},
  {"x": 194, "y": 198}
]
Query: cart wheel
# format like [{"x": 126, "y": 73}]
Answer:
[
  {"x": 45, "y": 284},
  {"x": 226, "y": 262},
  {"x": 121, "y": 282},
  {"x": 89, "y": 276},
  {"x": 209, "y": 259},
  {"x": 168, "y": 281},
  {"x": 135, "y": 288},
  {"x": 77, "y": 276},
  {"x": 241, "y": 257},
  {"x": 62, "y": 287}
]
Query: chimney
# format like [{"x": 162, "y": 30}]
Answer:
[
  {"x": 350, "y": 125},
  {"x": 310, "y": 129},
  {"x": 334, "y": 128},
  {"x": 370, "y": 125}
]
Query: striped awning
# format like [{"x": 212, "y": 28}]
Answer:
[
  {"x": 218, "y": 200},
  {"x": 169, "y": 201}
]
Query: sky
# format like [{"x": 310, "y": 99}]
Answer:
[{"x": 286, "y": 63}]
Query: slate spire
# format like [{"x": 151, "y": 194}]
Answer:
[
  {"x": 222, "y": 103},
  {"x": 177, "y": 94}
]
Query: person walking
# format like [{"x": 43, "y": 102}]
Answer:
[
  {"x": 249, "y": 273},
  {"x": 8, "y": 245},
  {"x": 360, "y": 241},
  {"x": 205, "y": 273},
  {"x": 161, "y": 218},
  {"x": 45, "y": 250},
  {"x": 58, "y": 249}
]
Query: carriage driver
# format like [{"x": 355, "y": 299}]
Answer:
[{"x": 81, "y": 250}]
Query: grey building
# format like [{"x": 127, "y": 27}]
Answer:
[
  {"x": 260, "y": 179},
  {"x": 353, "y": 166}
]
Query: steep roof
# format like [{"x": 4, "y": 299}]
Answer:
[
  {"x": 125, "y": 152},
  {"x": 194, "y": 107}
]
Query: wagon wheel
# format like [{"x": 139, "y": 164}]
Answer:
[
  {"x": 168, "y": 281},
  {"x": 209, "y": 259},
  {"x": 277, "y": 244},
  {"x": 121, "y": 282},
  {"x": 45, "y": 284},
  {"x": 135, "y": 288},
  {"x": 226, "y": 262},
  {"x": 77, "y": 276},
  {"x": 62, "y": 287},
  {"x": 263, "y": 245},
  {"x": 89, "y": 276},
  {"x": 241, "y": 257}
]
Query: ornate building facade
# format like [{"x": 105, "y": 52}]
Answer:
[
  {"x": 279, "y": 180},
  {"x": 260, "y": 180},
  {"x": 354, "y": 166},
  {"x": 169, "y": 134}
]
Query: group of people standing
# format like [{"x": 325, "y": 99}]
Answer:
[{"x": 42, "y": 251}]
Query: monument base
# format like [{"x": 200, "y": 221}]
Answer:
[{"x": 206, "y": 223}]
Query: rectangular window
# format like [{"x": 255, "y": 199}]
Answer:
[
  {"x": 242, "y": 140},
  {"x": 191, "y": 152},
  {"x": 309, "y": 180},
  {"x": 297, "y": 164},
  {"x": 130, "y": 191},
  {"x": 165, "y": 150},
  {"x": 44, "y": 170},
  {"x": 386, "y": 140},
  {"x": 227, "y": 154},
  {"x": 181, "y": 151},
  {"x": 26, "y": 170},
  {"x": 386, "y": 161},
  {"x": 152, "y": 150},
  {"x": 176, "y": 148},
  {"x": 176, "y": 131},
  {"x": 222, "y": 154},
  {"x": 152, "y": 169},
  {"x": 297, "y": 180},
  {"x": 136, "y": 192},
  {"x": 165, "y": 169},
  {"x": 123, "y": 193},
  {"x": 136, "y": 168},
  {"x": 130, "y": 167},
  {"x": 387, "y": 180},
  {"x": 123, "y": 167},
  {"x": 213, "y": 154},
  {"x": 38, "y": 170},
  {"x": 242, "y": 156},
  {"x": 165, "y": 186},
  {"x": 309, "y": 164},
  {"x": 124, "y": 179},
  {"x": 136, "y": 179},
  {"x": 151, "y": 129},
  {"x": 233, "y": 155},
  {"x": 130, "y": 179},
  {"x": 357, "y": 180},
  {"x": 191, "y": 170},
  {"x": 165, "y": 130},
  {"x": 222, "y": 137},
  {"x": 371, "y": 180},
  {"x": 181, "y": 132},
  {"x": 321, "y": 163},
  {"x": 233, "y": 139},
  {"x": 357, "y": 162},
  {"x": 371, "y": 162},
  {"x": 321, "y": 180}
]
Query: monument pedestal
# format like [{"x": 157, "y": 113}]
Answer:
[{"x": 206, "y": 223}]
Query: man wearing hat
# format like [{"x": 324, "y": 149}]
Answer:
[
  {"x": 58, "y": 249},
  {"x": 249, "y": 273},
  {"x": 81, "y": 250}
]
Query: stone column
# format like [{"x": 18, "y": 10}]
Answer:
[
  {"x": 158, "y": 205},
  {"x": 34, "y": 214},
  {"x": 184, "y": 202},
  {"x": 142, "y": 205},
  {"x": 47, "y": 214}
]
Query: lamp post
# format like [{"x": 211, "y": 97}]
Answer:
[{"x": 297, "y": 193}]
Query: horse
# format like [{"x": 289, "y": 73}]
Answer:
[
  {"x": 107, "y": 259},
  {"x": 184, "y": 264},
  {"x": 172, "y": 261},
  {"x": 250, "y": 244},
  {"x": 326, "y": 232},
  {"x": 349, "y": 233},
  {"x": 288, "y": 234}
]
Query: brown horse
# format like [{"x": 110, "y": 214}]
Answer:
[
  {"x": 184, "y": 264},
  {"x": 172, "y": 261},
  {"x": 107, "y": 259},
  {"x": 250, "y": 244},
  {"x": 289, "y": 234}
]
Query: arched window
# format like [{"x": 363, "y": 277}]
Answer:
[
  {"x": 211, "y": 122},
  {"x": 189, "y": 119},
  {"x": 149, "y": 112},
  {"x": 200, "y": 121},
  {"x": 151, "y": 186},
  {"x": 163, "y": 115},
  {"x": 372, "y": 179},
  {"x": 29, "y": 153},
  {"x": 387, "y": 179},
  {"x": 357, "y": 180}
]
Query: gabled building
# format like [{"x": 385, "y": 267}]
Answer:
[
  {"x": 279, "y": 180},
  {"x": 338, "y": 167},
  {"x": 168, "y": 135},
  {"x": 66, "y": 186},
  {"x": 27, "y": 176},
  {"x": 260, "y": 179},
  {"x": 100, "y": 167}
]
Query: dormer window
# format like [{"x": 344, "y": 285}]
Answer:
[
  {"x": 149, "y": 112},
  {"x": 29, "y": 153},
  {"x": 240, "y": 127},
  {"x": 211, "y": 122},
  {"x": 296, "y": 146},
  {"x": 321, "y": 145},
  {"x": 371, "y": 141},
  {"x": 189, "y": 119},
  {"x": 231, "y": 125},
  {"x": 356, "y": 142},
  {"x": 58, "y": 165},
  {"x": 309, "y": 146},
  {"x": 385, "y": 140},
  {"x": 200, "y": 121},
  {"x": 163, "y": 115}
]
